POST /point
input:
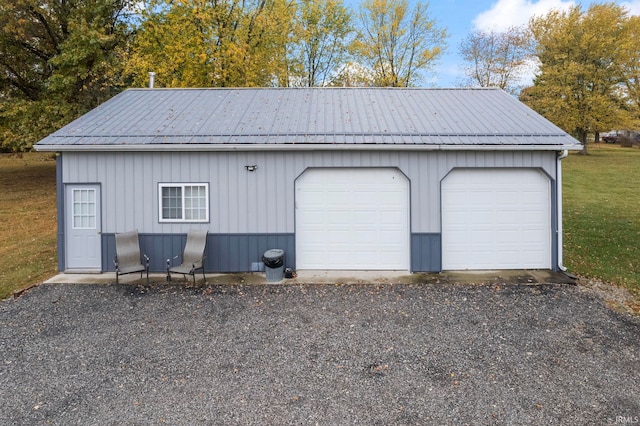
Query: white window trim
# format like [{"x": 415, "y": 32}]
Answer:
[{"x": 183, "y": 185}]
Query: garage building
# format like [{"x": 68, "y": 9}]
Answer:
[{"x": 340, "y": 178}]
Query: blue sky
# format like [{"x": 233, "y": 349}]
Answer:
[{"x": 462, "y": 16}]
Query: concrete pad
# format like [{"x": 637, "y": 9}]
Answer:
[
  {"x": 336, "y": 277},
  {"x": 349, "y": 277},
  {"x": 103, "y": 278}
]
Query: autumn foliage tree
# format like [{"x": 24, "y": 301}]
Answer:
[
  {"x": 58, "y": 59},
  {"x": 320, "y": 44},
  {"x": 580, "y": 85},
  {"x": 209, "y": 43},
  {"x": 630, "y": 63},
  {"x": 397, "y": 43},
  {"x": 496, "y": 59}
]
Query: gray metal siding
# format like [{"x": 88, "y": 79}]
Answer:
[
  {"x": 224, "y": 252},
  {"x": 61, "y": 214},
  {"x": 426, "y": 252},
  {"x": 262, "y": 202},
  {"x": 251, "y": 212}
]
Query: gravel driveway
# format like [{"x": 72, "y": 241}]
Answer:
[{"x": 317, "y": 354}]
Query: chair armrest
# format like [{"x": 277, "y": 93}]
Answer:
[
  {"x": 115, "y": 262},
  {"x": 146, "y": 260},
  {"x": 171, "y": 259}
]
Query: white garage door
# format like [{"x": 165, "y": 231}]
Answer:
[
  {"x": 352, "y": 219},
  {"x": 496, "y": 219}
]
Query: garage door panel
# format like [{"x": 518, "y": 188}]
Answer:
[
  {"x": 537, "y": 256},
  {"x": 337, "y": 236},
  {"x": 352, "y": 219},
  {"x": 534, "y": 218},
  {"x": 361, "y": 195},
  {"x": 478, "y": 197},
  {"x": 395, "y": 219},
  {"x": 338, "y": 197},
  {"x": 482, "y": 217},
  {"x": 483, "y": 258},
  {"x": 456, "y": 237},
  {"x": 477, "y": 236},
  {"x": 457, "y": 217},
  {"x": 532, "y": 197},
  {"x": 496, "y": 218},
  {"x": 365, "y": 217},
  {"x": 505, "y": 198},
  {"x": 508, "y": 218},
  {"x": 390, "y": 198},
  {"x": 336, "y": 218},
  {"x": 316, "y": 216},
  {"x": 387, "y": 238},
  {"x": 505, "y": 237},
  {"x": 530, "y": 235},
  {"x": 363, "y": 237},
  {"x": 315, "y": 235},
  {"x": 311, "y": 198}
]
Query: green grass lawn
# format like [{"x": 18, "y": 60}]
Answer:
[
  {"x": 601, "y": 196},
  {"x": 27, "y": 220},
  {"x": 601, "y": 217}
]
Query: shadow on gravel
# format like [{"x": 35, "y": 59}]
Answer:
[{"x": 442, "y": 353}]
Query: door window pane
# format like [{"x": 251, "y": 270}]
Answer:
[{"x": 84, "y": 208}]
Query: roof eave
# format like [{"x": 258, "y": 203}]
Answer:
[{"x": 302, "y": 147}]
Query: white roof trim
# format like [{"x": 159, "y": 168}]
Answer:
[{"x": 299, "y": 147}]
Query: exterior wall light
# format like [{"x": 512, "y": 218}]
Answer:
[{"x": 251, "y": 168}]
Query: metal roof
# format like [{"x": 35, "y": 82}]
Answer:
[{"x": 318, "y": 118}]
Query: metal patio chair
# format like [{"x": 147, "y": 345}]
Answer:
[
  {"x": 127, "y": 258},
  {"x": 192, "y": 258}
]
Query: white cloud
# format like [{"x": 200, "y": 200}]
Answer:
[
  {"x": 508, "y": 13},
  {"x": 632, "y": 6},
  {"x": 529, "y": 72}
]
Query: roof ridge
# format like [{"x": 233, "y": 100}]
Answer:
[{"x": 434, "y": 89}]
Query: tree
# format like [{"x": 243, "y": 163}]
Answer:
[
  {"x": 353, "y": 74},
  {"x": 578, "y": 86},
  {"x": 208, "y": 43},
  {"x": 496, "y": 59},
  {"x": 630, "y": 55},
  {"x": 58, "y": 59},
  {"x": 397, "y": 44},
  {"x": 321, "y": 41}
]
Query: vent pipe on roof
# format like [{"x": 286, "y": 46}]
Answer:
[{"x": 152, "y": 77}]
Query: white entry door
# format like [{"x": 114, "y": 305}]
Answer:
[
  {"x": 83, "y": 239},
  {"x": 496, "y": 219},
  {"x": 352, "y": 219}
]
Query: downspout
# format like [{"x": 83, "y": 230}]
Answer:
[{"x": 564, "y": 154}]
